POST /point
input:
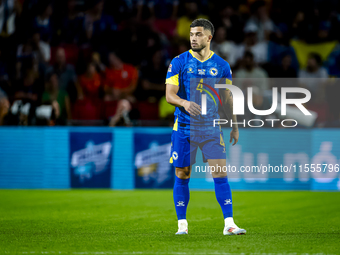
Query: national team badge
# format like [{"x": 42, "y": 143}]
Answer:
[
  {"x": 175, "y": 155},
  {"x": 213, "y": 71}
]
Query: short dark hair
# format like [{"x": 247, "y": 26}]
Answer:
[{"x": 206, "y": 24}]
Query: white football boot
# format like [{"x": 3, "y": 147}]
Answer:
[
  {"x": 182, "y": 227},
  {"x": 230, "y": 228}
]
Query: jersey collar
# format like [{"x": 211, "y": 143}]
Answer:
[{"x": 192, "y": 53}]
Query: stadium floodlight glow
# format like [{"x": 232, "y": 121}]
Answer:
[{"x": 238, "y": 102}]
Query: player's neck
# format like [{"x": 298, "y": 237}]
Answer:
[{"x": 203, "y": 54}]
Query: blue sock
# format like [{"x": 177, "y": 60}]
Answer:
[
  {"x": 181, "y": 197},
  {"x": 223, "y": 196}
]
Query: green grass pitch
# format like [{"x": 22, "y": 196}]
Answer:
[{"x": 144, "y": 222}]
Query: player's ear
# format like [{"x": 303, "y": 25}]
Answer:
[{"x": 210, "y": 38}]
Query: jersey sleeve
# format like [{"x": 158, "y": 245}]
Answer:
[{"x": 172, "y": 76}]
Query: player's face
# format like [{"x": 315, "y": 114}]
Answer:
[{"x": 199, "y": 38}]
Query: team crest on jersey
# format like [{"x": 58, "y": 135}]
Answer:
[
  {"x": 201, "y": 71},
  {"x": 190, "y": 70},
  {"x": 213, "y": 71},
  {"x": 170, "y": 67}
]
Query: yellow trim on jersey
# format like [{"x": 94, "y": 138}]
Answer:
[
  {"x": 192, "y": 53},
  {"x": 176, "y": 125},
  {"x": 173, "y": 80},
  {"x": 228, "y": 82},
  {"x": 171, "y": 160}
]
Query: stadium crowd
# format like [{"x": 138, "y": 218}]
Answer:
[{"x": 104, "y": 62}]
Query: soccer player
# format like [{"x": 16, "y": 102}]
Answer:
[{"x": 190, "y": 75}]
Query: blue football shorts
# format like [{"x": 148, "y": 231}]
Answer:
[{"x": 184, "y": 145}]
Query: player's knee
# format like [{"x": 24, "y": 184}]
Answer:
[
  {"x": 219, "y": 174},
  {"x": 183, "y": 172}
]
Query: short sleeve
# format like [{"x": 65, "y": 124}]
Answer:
[{"x": 172, "y": 76}]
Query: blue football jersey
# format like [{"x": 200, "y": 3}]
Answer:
[{"x": 194, "y": 78}]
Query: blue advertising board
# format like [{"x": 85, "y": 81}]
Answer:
[
  {"x": 90, "y": 159},
  {"x": 128, "y": 158},
  {"x": 152, "y": 167}
]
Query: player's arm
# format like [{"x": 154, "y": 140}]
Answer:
[
  {"x": 172, "y": 98},
  {"x": 227, "y": 99}
]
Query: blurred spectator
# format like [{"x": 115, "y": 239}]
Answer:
[
  {"x": 332, "y": 63},
  {"x": 96, "y": 61},
  {"x": 71, "y": 24},
  {"x": 259, "y": 49},
  {"x": 314, "y": 77},
  {"x": 40, "y": 49},
  {"x": 163, "y": 9},
  {"x": 298, "y": 26},
  {"x": 121, "y": 117},
  {"x": 260, "y": 18},
  {"x": 86, "y": 31},
  {"x": 67, "y": 75},
  {"x": 123, "y": 10},
  {"x": 285, "y": 69},
  {"x": 323, "y": 31},
  {"x": 28, "y": 89},
  {"x": 164, "y": 14},
  {"x": 230, "y": 21},
  {"x": 90, "y": 83},
  {"x": 120, "y": 79},
  {"x": 183, "y": 23},
  {"x": 283, "y": 75},
  {"x": 251, "y": 75},
  {"x": 58, "y": 98},
  {"x": 9, "y": 10},
  {"x": 4, "y": 106},
  {"x": 179, "y": 47},
  {"x": 97, "y": 26},
  {"x": 42, "y": 23},
  {"x": 152, "y": 77},
  {"x": 221, "y": 46},
  {"x": 136, "y": 42}
]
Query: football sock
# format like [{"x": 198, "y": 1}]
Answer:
[
  {"x": 181, "y": 197},
  {"x": 223, "y": 196},
  {"x": 229, "y": 221}
]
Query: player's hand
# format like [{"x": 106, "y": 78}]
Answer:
[
  {"x": 234, "y": 135},
  {"x": 192, "y": 108}
]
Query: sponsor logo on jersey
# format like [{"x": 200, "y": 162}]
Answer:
[
  {"x": 175, "y": 155},
  {"x": 170, "y": 67},
  {"x": 213, "y": 71},
  {"x": 201, "y": 71}
]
